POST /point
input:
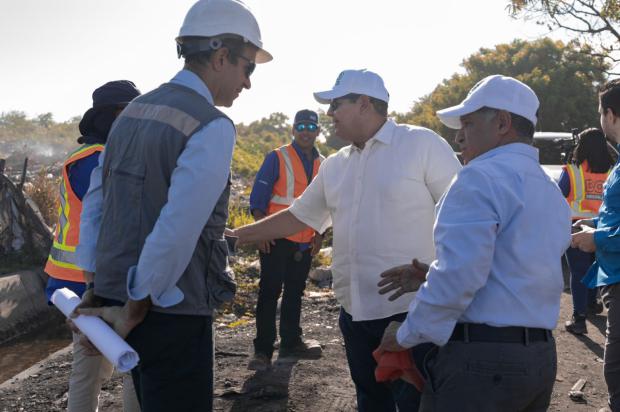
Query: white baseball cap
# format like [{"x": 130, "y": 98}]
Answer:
[
  {"x": 496, "y": 92},
  {"x": 355, "y": 81}
]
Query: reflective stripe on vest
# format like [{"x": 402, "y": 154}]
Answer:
[
  {"x": 291, "y": 183},
  {"x": 586, "y": 191},
  {"x": 62, "y": 261}
]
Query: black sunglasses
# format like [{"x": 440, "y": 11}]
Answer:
[
  {"x": 249, "y": 69},
  {"x": 311, "y": 127},
  {"x": 335, "y": 103}
]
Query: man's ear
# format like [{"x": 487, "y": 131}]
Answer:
[
  {"x": 218, "y": 59},
  {"x": 365, "y": 103},
  {"x": 504, "y": 121}
]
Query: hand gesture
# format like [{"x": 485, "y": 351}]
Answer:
[
  {"x": 403, "y": 279},
  {"x": 584, "y": 240},
  {"x": 265, "y": 245}
]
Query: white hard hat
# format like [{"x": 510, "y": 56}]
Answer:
[{"x": 208, "y": 18}]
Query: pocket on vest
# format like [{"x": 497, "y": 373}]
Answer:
[
  {"x": 124, "y": 197},
  {"x": 221, "y": 286}
]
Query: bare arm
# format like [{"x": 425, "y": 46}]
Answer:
[{"x": 276, "y": 226}]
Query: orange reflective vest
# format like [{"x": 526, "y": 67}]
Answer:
[
  {"x": 290, "y": 185},
  {"x": 62, "y": 263},
  {"x": 586, "y": 190}
]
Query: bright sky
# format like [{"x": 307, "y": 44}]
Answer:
[{"x": 56, "y": 52}]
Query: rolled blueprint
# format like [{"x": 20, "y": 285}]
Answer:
[{"x": 112, "y": 346}]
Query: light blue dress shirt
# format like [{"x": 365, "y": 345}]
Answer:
[
  {"x": 606, "y": 268},
  {"x": 501, "y": 229},
  {"x": 196, "y": 184}
]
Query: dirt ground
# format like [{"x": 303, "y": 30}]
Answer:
[{"x": 307, "y": 385}]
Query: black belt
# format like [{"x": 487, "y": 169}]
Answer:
[{"x": 478, "y": 332}]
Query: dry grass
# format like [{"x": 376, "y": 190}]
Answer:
[
  {"x": 238, "y": 215},
  {"x": 43, "y": 190}
]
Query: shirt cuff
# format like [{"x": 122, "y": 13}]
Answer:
[
  {"x": 86, "y": 257},
  {"x": 137, "y": 290},
  {"x": 405, "y": 338}
]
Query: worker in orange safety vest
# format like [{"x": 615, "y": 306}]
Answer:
[{"x": 284, "y": 175}]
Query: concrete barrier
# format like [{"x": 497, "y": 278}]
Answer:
[{"x": 23, "y": 305}]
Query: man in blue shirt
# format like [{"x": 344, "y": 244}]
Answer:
[
  {"x": 601, "y": 235},
  {"x": 285, "y": 262}
]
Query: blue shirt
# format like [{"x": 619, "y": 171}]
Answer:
[
  {"x": 501, "y": 229},
  {"x": 564, "y": 183},
  {"x": 79, "y": 174},
  {"x": 606, "y": 268},
  {"x": 195, "y": 186}
]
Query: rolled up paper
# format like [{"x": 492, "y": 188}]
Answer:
[{"x": 112, "y": 346}]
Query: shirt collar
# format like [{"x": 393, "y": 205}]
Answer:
[
  {"x": 191, "y": 80},
  {"x": 383, "y": 135},
  {"x": 515, "y": 148},
  {"x": 315, "y": 152}
]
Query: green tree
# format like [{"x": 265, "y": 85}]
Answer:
[
  {"x": 595, "y": 23},
  {"x": 564, "y": 79}
]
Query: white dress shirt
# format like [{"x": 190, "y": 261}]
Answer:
[
  {"x": 196, "y": 184},
  {"x": 501, "y": 230},
  {"x": 381, "y": 200}
]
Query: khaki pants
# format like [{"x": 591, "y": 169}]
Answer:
[{"x": 87, "y": 375}]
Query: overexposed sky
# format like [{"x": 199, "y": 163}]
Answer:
[{"x": 54, "y": 53}]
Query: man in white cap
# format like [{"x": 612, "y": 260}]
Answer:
[
  {"x": 154, "y": 217},
  {"x": 492, "y": 296},
  {"x": 380, "y": 193}
]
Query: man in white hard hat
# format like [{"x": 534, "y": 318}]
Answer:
[
  {"x": 380, "y": 193},
  {"x": 492, "y": 296},
  {"x": 153, "y": 220}
]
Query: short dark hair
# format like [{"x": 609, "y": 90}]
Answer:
[
  {"x": 592, "y": 146},
  {"x": 609, "y": 96},
  {"x": 235, "y": 44}
]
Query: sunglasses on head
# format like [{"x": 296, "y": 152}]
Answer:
[{"x": 311, "y": 127}]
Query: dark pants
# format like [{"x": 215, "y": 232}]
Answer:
[
  {"x": 361, "y": 338},
  {"x": 579, "y": 262},
  {"x": 611, "y": 367},
  {"x": 284, "y": 266},
  {"x": 175, "y": 372},
  {"x": 483, "y": 376}
]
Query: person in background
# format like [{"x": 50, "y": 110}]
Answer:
[
  {"x": 87, "y": 372},
  {"x": 600, "y": 235},
  {"x": 581, "y": 183},
  {"x": 283, "y": 177}
]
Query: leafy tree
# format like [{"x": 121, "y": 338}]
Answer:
[
  {"x": 564, "y": 79},
  {"x": 595, "y": 22}
]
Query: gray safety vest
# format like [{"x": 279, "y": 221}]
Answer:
[{"x": 141, "y": 153}]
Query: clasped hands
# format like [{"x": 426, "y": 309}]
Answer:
[{"x": 583, "y": 236}]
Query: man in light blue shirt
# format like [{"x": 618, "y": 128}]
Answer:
[
  {"x": 153, "y": 219},
  {"x": 492, "y": 296},
  {"x": 601, "y": 235}
]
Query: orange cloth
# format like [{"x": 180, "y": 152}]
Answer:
[{"x": 395, "y": 365}]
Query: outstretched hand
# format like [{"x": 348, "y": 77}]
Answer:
[{"x": 403, "y": 279}]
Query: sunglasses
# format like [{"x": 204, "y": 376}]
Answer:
[
  {"x": 249, "y": 69},
  {"x": 335, "y": 104},
  {"x": 311, "y": 127}
]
